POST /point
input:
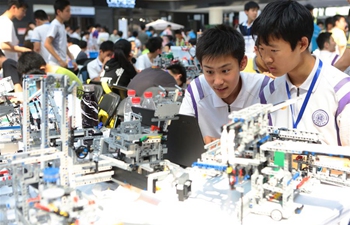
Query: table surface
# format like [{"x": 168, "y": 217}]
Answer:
[{"x": 211, "y": 202}]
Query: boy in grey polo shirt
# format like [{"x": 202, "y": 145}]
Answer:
[{"x": 56, "y": 41}]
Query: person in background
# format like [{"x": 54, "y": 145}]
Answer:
[
  {"x": 120, "y": 69},
  {"x": 9, "y": 67},
  {"x": 85, "y": 36},
  {"x": 317, "y": 29},
  {"x": 114, "y": 36},
  {"x": 154, "y": 45},
  {"x": 134, "y": 38},
  {"x": 284, "y": 47},
  {"x": 190, "y": 34},
  {"x": 153, "y": 77},
  {"x": 151, "y": 32},
  {"x": 33, "y": 63},
  {"x": 95, "y": 67},
  {"x": 40, "y": 33},
  {"x": 222, "y": 88},
  {"x": 69, "y": 30},
  {"x": 251, "y": 10},
  {"x": 344, "y": 62},
  {"x": 103, "y": 35},
  {"x": 76, "y": 33},
  {"x": 338, "y": 33},
  {"x": 28, "y": 36},
  {"x": 320, "y": 24},
  {"x": 180, "y": 40},
  {"x": 82, "y": 54},
  {"x": 327, "y": 48},
  {"x": 257, "y": 65},
  {"x": 73, "y": 46},
  {"x": 167, "y": 31},
  {"x": 328, "y": 24},
  {"x": 142, "y": 36},
  {"x": 56, "y": 41},
  {"x": 33, "y": 60},
  {"x": 8, "y": 38}
]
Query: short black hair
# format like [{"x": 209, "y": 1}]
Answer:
[
  {"x": 40, "y": 15},
  {"x": 122, "y": 49},
  {"x": 222, "y": 40},
  {"x": 178, "y": 69},
  {"x": 323, "y": 38},
  {"x": 135, "y": 33},
  {"x": 328, "y": 20},
  {"x": 120, "y": 33},
  {"x": 2, "y": 54},
  {"x": 107, "y": 46},
  {"x": 142, "y": 26},
  {"x": 251, "y": 5},
  {"x": 193, "y": 41},
  {"x": 154, "y": 43},
  {"x": 177, "y": 32},
  {"x": 30, "y": 61},
  {"x": 288, "y": 20},
  {"x": 309, "y": 7},
  {"x": 60, "y": 5},
  {"x": 82, "y": 44},
  {"x": 336, "y": 18},
  {"x": 320, "y": 22},
  {"x": 17, "y": 3}
]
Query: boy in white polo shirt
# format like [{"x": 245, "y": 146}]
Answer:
[
  {"x": 222, "y": 89},
  {"x": 283, "y": 44}
]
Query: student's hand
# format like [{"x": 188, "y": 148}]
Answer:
[
  {"x": 24, "y": 49},
  {"x": 106, "y": 60},
  {"x": 75, "y": 65},
  {"x": 269, "y": 75},
  {"x": 63, "y": 63},
  {"x": 208, "y": 139}
]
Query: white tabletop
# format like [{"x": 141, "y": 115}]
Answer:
[{"x": 211, "y": 202}]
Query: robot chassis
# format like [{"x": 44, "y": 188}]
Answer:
[
  {"x": 250, "y": 149},
  {"x": 22, "y": 170}
]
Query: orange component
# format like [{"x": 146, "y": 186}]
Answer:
[
  {"x": 154, "y": 128},
  {"x": 39, "y": 206},
  {"x": 36, "y": 199},
  {"x": 302, "y": 182},
  {"x": 75, "y": 199}
]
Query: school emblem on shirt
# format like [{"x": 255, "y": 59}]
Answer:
[{"x": 320, "y": 118}]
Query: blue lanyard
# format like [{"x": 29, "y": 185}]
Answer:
[{"x": 306, "y": 100}]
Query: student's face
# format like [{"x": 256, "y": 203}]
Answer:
[
  {"x": 222, "y": 74},
  {"x": 341, "y": 23},
  {"x": 19, "y": 12},
  {"x": 279, "y": 57},
  {"x": 252, "y": 14},
  {"x": 65, "y": 14},
  {"x": 178, "y": 36},
  {"x": 332, "y": 45},
  {"x": 105, "y": 54}
]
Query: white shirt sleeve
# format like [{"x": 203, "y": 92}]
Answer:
[
  {"x": 343, "y": 121},
  {"x": 140, "y": 63},
  {"x": 7, "y": 29},
  {"x": 35, "y": 36},
  {"x": 187, "y": 105},
  {"x": 53, "y": 30},
  {"x": 91, "y": 68}
]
